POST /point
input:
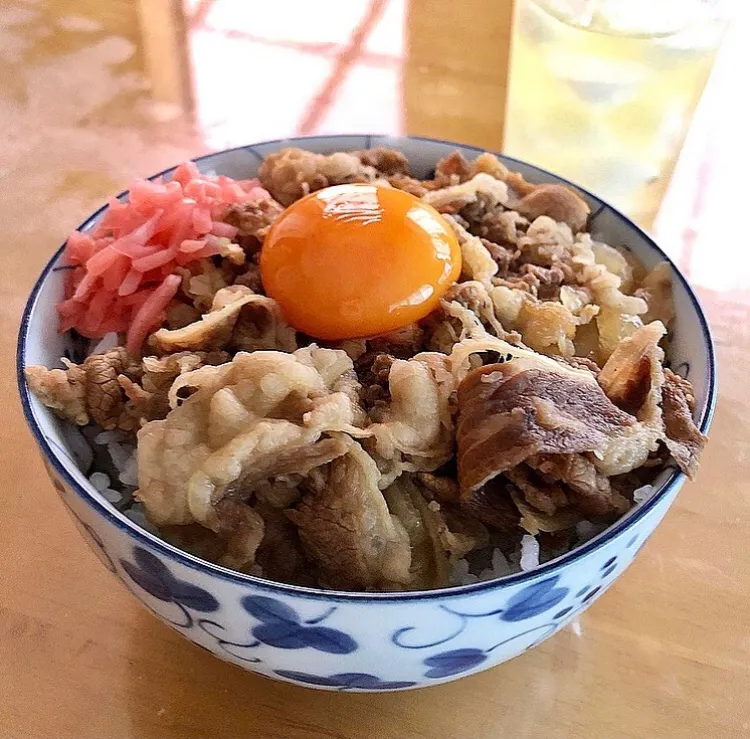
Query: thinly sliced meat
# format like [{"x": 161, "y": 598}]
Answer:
[
  {"x": 492, "y": 505},
  {"x": 270, "y": 448},
  {"x": 241, "y": 527},
  {"x": 261, "y": 326},
  {"x": 474, "y": 296},
  {"x": 442, "y": 488},
  {"x": 534, "y": 521},
  {"x": 453, "y": 169},
  {"x": 587, "y": 489},
  {"x": 454, "y": 197},
  {"x": 246, "y": 423},
  {"x": 477, "y": 262},
  {"x": 168, "y": 452},
  {"x": 684, "y": 440},
  {"x": 253, "y": 220},
  {"x": 545, "y": 497},
  {"x": 150, "y": 398},
  {"x": 90, "y": 391},
  {"x": 290, "y": 173},
  {"x": 403, "y": 343},
  {"x": 212, "y": 331},
  {"x": 64, "y": 391},
  {"x": 558, "y": 202},
  {"x": 435, "y": 548},
  {"x": 634, "y": 368},
  {"x": 511, "y": 411},
  {"x": 346, "y": 528},
  {"x": 280, "y": 555},
  {"x": 415, "y": 431},
  {"x": 238, "y": 319},
  {"x": 385, "y": 161}
]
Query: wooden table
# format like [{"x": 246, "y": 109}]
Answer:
[{"x": 665, "y": 654}]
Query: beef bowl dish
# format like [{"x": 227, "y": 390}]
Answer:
[{"x": 365, "y": 413}]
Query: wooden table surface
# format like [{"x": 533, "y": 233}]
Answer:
[{"x": 665, "y": 654}]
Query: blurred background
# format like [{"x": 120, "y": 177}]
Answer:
[{"x": 616, "y": 95}]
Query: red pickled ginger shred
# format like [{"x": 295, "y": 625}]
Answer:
[
  {"x": 151, "y": 312},
  {"x": 124, "y": 277}
]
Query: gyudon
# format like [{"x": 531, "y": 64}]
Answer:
[{"x": 508, "y": 400}]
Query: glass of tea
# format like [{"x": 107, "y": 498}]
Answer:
[{"x": 603, "y": 91}]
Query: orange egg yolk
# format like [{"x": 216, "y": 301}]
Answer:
[{"x": 357, "y": 260}]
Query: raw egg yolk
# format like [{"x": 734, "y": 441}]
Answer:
[{"x": 358, "y": 260}]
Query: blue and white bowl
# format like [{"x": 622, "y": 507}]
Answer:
[{"x": 357, "y": 641}]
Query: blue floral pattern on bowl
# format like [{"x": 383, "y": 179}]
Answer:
[
  {"x": 447, "y": 664},
  {"x": 152, "y": 575},
  {"x": 358, "y": 642},
  {"x": 537, "y": 598},
  {"x": 281, "y": 627},
  {"x": 532, "y": 601}
]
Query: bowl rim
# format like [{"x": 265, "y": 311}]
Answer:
[{"x": 549, "y": 568}]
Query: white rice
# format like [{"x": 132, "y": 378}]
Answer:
[
  {"x": 107, "y": 342},
  {"x": 529, "y": 553},
  {"x": 99, "y": 480},
  {"x": 138, "y": 516},
  {"x": 500, "y": 566},
  {"x": 461, "y": 574},
  {"x": 118, "y": 486},
  {"x": 129, "y": 473},
  {"x": 109, "y": 437},
  {"x": 79, "y": 447},
  {"x": 113, "y": 496},
  {"x": 642, "y": 493},
  {"x": 120, "y": 454}
]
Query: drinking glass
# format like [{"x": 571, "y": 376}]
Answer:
[{"x": 602, "y": 91}]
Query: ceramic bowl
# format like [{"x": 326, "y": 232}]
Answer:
[{"x": 358, "y": 641}]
